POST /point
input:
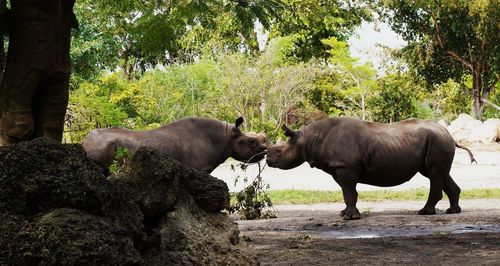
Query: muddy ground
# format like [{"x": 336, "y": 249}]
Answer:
[{"x": 387, "y": 233}]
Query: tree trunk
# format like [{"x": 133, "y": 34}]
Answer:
[
  {"x": 35, "y": 85},
  {"x": 477, "y": 88},
  {"x": 3, "y": 58}
]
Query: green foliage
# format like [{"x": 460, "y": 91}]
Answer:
[
  {"x": 264, "y": 89},
  {"x": 451, "y": 99},
  {"x": 260, "y": 88},
  {"x": 166, "y": 32},
  {"x": 489, "y": 111},
  {"x": 448, "y": 39},
  {"x": 398, "y": 97},
  {"x": 356, "y": 79},
  {"x": 176, "y": 92},
  {"x": 88, "y": 110},
  {"x": 327, "y": 94},
  {"x": 310, "y": 21},
  {"x": 121, "y": 156},
  {"x": 147, "y": 33},
  {"x": 91, "y": 51},
  {"x": 252, "y": 202}
]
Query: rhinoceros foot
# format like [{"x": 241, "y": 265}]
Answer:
[
  {"x": 455, "y": 209},
  {"x": 427, "y": 211},
  {"x": 350, "y": 214}
]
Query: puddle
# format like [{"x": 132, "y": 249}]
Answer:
[{"x": 437, "y": 230}]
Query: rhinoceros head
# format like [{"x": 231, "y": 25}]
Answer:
[
  {"x": 286, "y": 155},
  {"x": 248, "y": 147}
]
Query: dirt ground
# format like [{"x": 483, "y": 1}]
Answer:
[{"x": 387, "y": 233}]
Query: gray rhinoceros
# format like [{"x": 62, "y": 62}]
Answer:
[
  {"x": 201, "y": 143},
  {"x": 354, "y": 151}
]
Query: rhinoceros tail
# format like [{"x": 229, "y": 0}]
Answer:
[{"x": 472, "y": 160}]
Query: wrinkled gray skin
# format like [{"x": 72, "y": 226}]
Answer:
[
  {"x": 200, "y": 143},
  {"x": 354, "y": 151}
]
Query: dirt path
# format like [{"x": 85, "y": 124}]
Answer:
[{"x": 388, "y": 233}]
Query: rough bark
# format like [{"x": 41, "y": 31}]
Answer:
[
  {"x": 34, "y": 88},
  {"x": 477, "y": 91},
  {"x": 2, "y": 33}
]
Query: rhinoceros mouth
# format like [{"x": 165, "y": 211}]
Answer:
[
  {"x": 257, "y": 157},
  {"x": 270, "y": 163}
]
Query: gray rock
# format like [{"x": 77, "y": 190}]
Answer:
[
  {"x": 442, "y": 123},
  {"x": 210, "y": 193},
  {"x": 72, "y": 237},
  {"x": 219, "y": 245},
  {"x": 486, "y": 133},
  {"x": 57, "y": 208},
  {"x": 155, "y": 178}
]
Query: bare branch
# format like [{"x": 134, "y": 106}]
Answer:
[
  {"x": 490, "y": 104},
  {"x": 353, "y": 101}
]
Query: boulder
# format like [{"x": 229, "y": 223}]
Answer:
[
  {"x": 467, "y": 129},
  {"x": 442, "y": 123},
  {"x": 459, "y": 134},
  {"x": 57, "y": 208},
  {"x": 462, "y": 121},
  {"x": 41, "y": 179},
  {"x": 72, "y": 237},
  {"x": 158, "y": 177},
  {"x": 486, "y": 133},
  {"x": 175, "y": 228},
  {"x": 210, "y": 193},
  {"x": 154, "y": 177},
  {"x": 494, "y": 123}
]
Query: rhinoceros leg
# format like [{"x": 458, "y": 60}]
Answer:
[
  {"x": 435, "y": 193},
  {"x": 453, "y": 192},
  {"x": 348, "y": 180}
]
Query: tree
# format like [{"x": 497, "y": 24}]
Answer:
[
  {"x": 92, "y": 50},
  {"x": 264, "y": 88},
  {"x": 34, "y": 88},
  {"x": 3, "y": 31},
  {"x": 166, "y": 32},
  {"x": 362, "y": 75},
  {"x": 448, "y": 39},
  {"x": 397, "y": 97},
  {"x": 310, "y": 21}
]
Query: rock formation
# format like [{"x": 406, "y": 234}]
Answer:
[
  {"x": 467, "y": 129},
  {"x": 57, "y": 208}
]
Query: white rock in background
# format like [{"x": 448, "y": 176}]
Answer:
[
  {"x": 493, "y": 123},
  {"x": 483, "y": 134},
  {"x": 470, "y": 125},
  {"x": 466, "y": 128},
  {"x": 462, "y": 120},
  {"x": 461, "y": 134},
  {"x": 442, "y": 123}
]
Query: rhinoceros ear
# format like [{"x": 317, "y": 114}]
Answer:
[
  {"x": 239, "y": 121},
  {"x": 289, "y": 132}
]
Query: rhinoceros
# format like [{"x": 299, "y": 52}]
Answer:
[
  {"x": 201, "y": 143},
  {"x": 354, "y": 151}
]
